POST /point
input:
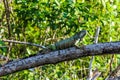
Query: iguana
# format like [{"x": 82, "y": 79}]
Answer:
[
  {"x": 63, "y": 44},
  {"x": 66, "y": 43}
]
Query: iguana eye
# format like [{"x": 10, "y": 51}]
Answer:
[{"x": 82, "y": 33}]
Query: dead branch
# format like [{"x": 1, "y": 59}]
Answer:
[
  {"x": 7, "y": 11},
  {"x": 115, "y": 74},
  {"x": 90, "y": 76}
]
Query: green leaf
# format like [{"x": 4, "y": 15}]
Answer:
[{"x": 3, "y": 48}]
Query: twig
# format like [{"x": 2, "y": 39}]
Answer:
[
  {"x": 96, "y": 74},
  {"x": 111, "y": 61},
  {"x": 114, "y": 74},
  {"x": 28, "y": 43},
  {"x": 3, "y": 47},
  {"x": 97, "y": 34},
  {"x": 90, "y": 65},
  {"x": 7, "y": 11}
]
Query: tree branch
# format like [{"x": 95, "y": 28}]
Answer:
[
  {"x": 27, "y": 43},
  {"x": 59, "y": 56},
  {"x": 7, "y": 11}
]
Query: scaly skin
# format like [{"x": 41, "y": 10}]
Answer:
[
  {"x": 69, "y": 42},
  {"x": 66, "y": 43}
]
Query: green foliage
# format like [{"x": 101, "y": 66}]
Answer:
[
  {"x": 3, "y": 47},
  {"x": 47, "y": 21}
]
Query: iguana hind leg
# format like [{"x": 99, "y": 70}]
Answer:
[{"x": 42, "y": 52}]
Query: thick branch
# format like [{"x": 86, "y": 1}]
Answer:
[{"x": 59, "y": 56}]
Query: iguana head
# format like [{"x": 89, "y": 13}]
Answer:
[{"x": 80, "y": 34}]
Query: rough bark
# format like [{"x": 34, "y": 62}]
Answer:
[{"x": 59, "y": 56}]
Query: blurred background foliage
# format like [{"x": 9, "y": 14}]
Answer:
[{"x": 47, "y": 21}]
